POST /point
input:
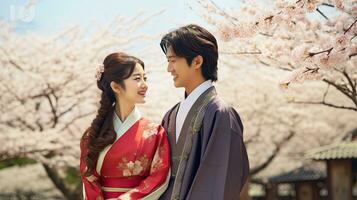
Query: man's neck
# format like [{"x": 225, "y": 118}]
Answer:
[{"x": 193, "y": 86}]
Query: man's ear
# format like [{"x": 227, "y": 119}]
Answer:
[
  {"x": 197, "y": 62},
  {"x": 115, "y": 87}
]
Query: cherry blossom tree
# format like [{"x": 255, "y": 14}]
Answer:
[
  {"x": 276, "y": 132},
  {"x": 49, "y": 93},
  {"x": 314, "y": 39}
]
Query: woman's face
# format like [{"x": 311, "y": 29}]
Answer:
[{"x": 135, "y": 87}]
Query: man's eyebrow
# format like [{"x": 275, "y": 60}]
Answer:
[{"x": 139, "y": 74}]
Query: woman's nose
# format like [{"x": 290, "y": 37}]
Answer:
[{"x": 144, "y": 84}]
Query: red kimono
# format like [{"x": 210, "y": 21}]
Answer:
[{"x": 135, "y": 166}]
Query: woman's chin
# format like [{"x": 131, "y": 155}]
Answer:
[{"x": 141, "y": 101}]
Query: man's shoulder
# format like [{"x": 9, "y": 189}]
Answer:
[
  {"x": 218, "y": 105},
  {"x": 219, "y": 109},
  {"x": 170, "y": 110},
  {"x": 167, "y": 115}
]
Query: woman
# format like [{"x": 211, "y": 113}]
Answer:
[{"x": 123, "y": 155}]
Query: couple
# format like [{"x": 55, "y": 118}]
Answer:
[{"x": 197, "y": 153}]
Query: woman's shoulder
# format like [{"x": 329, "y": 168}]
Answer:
[
  {"x": 146, "y": 123},
  {"x": 149, "y": 127}
]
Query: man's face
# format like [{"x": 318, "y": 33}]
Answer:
[{"x": 180, "y": 70}]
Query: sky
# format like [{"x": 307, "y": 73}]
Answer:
[
  {"x": 50, "y": 17},
  {"x": 47, "y": 17}
]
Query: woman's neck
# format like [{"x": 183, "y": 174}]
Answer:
[{"x": 123, "y": 109}]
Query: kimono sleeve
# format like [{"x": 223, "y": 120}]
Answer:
[
  {"x": 156, "y": 183},
  {"x": 91, "y": 186}
]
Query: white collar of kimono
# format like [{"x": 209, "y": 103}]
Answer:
[
  {"x": 187, "y": 103},
  {"x": 121, "y": 127}
]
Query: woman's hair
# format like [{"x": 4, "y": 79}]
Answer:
[
  {"x": 117, "y": 68},
  {"x": 190, "y": 41}
]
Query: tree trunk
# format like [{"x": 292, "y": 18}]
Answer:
[{"x": 68, "y": 193}]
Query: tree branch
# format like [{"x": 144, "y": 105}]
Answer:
[
  {"x": 326, "y": 104},
  {"x": 353, "y": 54},
  {"x": 319, "y": 11},
  {"x": 343, "y": 90},
  {"x": 352, "y": 84},
  {"x": 242, "y": 52},
  {"x": 328, "y": 51},
  {"x": 224, "y": 13},
  {"x": 339, "y": 88},
  {"x": 329, "y": 5},
  {"x": 349, "y": 28},
  {"x": 278, "y": 148},
  {"x": 77, "y": 118}
]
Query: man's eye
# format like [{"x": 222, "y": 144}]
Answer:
[
  {"x": 137, "y": 79},
  {"x": 145, "y": 79}
]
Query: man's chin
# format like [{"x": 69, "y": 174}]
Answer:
[{"x": 177, "y": 84}]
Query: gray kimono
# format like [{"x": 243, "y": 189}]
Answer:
[{"x": 209, "y": 160}]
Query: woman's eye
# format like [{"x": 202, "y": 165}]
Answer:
[
  {"x": 137, "y": 79},
  {"x": 145, "y": 79}
]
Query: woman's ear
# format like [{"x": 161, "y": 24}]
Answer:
[
  {"x": 197, "y": 62},
  {"x": 115, "y": 87}
]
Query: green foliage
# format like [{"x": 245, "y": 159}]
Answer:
[
  {"x": 15, "y": 162},
  {"x": 72, "y": 176}
]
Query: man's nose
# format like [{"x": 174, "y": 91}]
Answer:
[{"x": 169, "y": 68}]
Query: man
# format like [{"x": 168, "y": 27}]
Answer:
[{"x": 208, "y": 157}]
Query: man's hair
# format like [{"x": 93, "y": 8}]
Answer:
[{"x": 190, "y": 41}]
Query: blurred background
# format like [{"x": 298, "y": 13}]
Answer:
[{"x": 287, "y": 67}]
